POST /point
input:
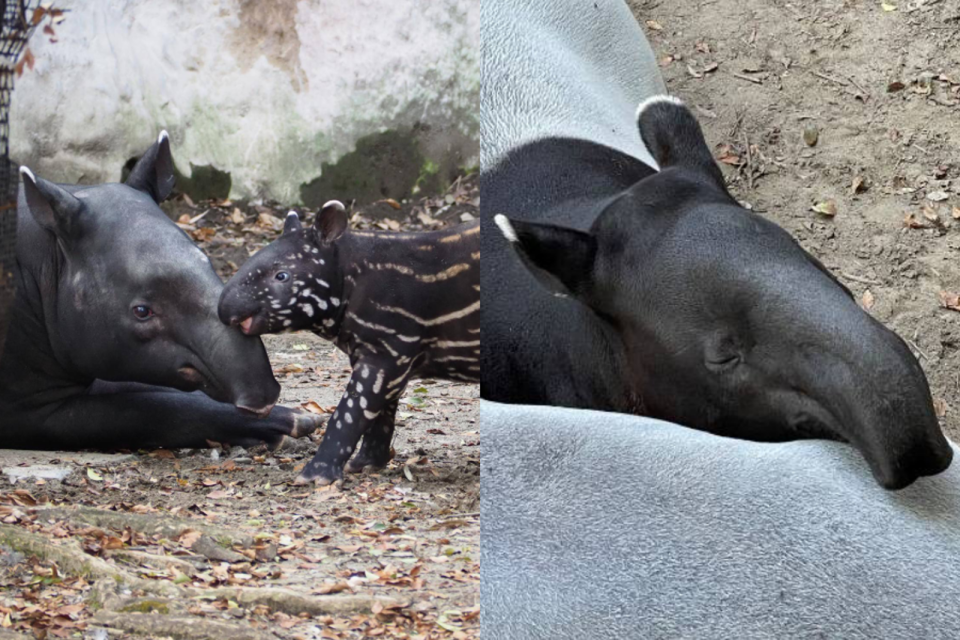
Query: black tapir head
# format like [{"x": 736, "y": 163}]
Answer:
[
  {"x": 727, "y": 323},
  {"x": 294, "y": 282},
  {"x": 135, "y": 298}
]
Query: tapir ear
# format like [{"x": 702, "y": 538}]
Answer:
[
  {"x": 331, "y": 222},
  {"x": 53, "y": 207},
  {"x": 673, "y": 136},
  {"x": 560, "y": 258},
  {"x": 153, "y": 173},
  {"x": 292, "y": 223}
]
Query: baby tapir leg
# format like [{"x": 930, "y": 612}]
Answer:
[
  {"x": 375, "y": 447},
  {"x": 365, "y": 398}
]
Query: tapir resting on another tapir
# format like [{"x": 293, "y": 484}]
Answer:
[
  {"x": 626, "y": 278},
  {"x": 115, "y": 323}
]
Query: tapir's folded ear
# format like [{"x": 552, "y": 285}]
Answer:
[
  {"x": 331, "y": 222},
  {"x": 53, "y": 207},
  {"x": 560, "y": 258},
  {"x": 673, "y": 136},
  {"x": 153, "y": 173}
]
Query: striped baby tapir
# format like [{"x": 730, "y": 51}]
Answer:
[{"x": 400, "y": 305}]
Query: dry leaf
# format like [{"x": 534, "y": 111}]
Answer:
[
  {"x": 826, "y": 208},
  {"x": 654, "y": 25},
  {"x": 313, "y": 407},
  {"x": 912, "y": 222},
  {"x": 950, "y": 300},
  {"x": 189, "y": 537}
]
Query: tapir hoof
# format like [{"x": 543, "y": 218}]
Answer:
[
  {"x": 304, "y": 424},
  {"x": 362, "y": 466},
  {"x": 319, "y": 473},
  {"x": 368, "y": 464}
]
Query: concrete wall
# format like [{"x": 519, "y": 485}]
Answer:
[{"x": 374, "y": 95}]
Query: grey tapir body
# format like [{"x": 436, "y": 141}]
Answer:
[
  {"x": 115, "y": 321},
  {"x": 399, "y": 305},
  {"x": 637, "y": 284},
  {"x": 597, "y": 525}
]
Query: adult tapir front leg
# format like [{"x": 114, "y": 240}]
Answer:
[
  {"x": 369, "y": 393},
  {"x": 375, "y": 450},
  {"x": 141, "y": 416}
]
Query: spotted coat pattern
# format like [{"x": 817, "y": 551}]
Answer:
[{"x": 400, "y": 305}]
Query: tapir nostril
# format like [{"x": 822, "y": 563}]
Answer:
[
  {"x": 191, "y": 374},
  {"x": 939, "y": 461}
]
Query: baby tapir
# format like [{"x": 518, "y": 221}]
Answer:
[{"x": 399, "y": 304}]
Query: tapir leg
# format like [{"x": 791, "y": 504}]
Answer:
[
  {"x": 375, "y": 447},
  {"x": 363, "y": 401},
  {"x": 140, "y": 416}
]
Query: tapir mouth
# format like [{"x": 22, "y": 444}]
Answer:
[{"x": 253, "y": 325}]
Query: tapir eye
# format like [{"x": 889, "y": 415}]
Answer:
[
  {"x": 283, "y": 276},
  {"x": 724, "y": 363},
  {"x": 723, "y": 355},
  {"x": 142, "y": 312}
]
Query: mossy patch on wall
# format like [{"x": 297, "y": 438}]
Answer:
[{"x": 382, "y": 165}]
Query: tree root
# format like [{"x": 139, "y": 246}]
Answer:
[
  {"x": 115, "y": 611},
  {"x": 177, "y": 627},
  {"x": 293, "y": 603},
  {"x": 166, "y": 526},
  {"x": 141, "y": 558}
]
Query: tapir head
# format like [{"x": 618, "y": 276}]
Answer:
[
  {"x": 294, "y": 282},
  {"x": 136, "y": 299},
  {"x": 728, "y": 325}
]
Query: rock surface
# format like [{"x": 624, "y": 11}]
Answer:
[{"x": 258, "y": 95}]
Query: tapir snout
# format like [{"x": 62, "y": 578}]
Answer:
[{"x": 887, "y": 411}]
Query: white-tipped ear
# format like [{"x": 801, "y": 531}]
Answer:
[
  {"x": 655, "y": 99},
  {"x": 505, "y": 227},
  {"x": 292, "y": 222},
  {"x": 28, "y": 175},
  {"x": 163, "y": 136}
]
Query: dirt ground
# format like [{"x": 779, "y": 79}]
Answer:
[
  {"x": 170, "y": 533},
  {"x": 876, "y": 85}
]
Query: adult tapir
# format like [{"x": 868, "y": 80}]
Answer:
[
  {"x": 627, "y": 279},
  {"x": 597, "y": 525},
  {"x": 115, "y": 323}
]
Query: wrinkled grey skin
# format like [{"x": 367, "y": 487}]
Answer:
[
  {"x": 606, "y": 526},
  {"x": 82, "y": 370}
]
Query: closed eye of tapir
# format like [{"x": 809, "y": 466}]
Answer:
[{"x": 726, "y": 323}]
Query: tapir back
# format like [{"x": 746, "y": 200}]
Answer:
[
  {"x": 598, "y": 525},
  {"x": 565, "y": 68}
]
